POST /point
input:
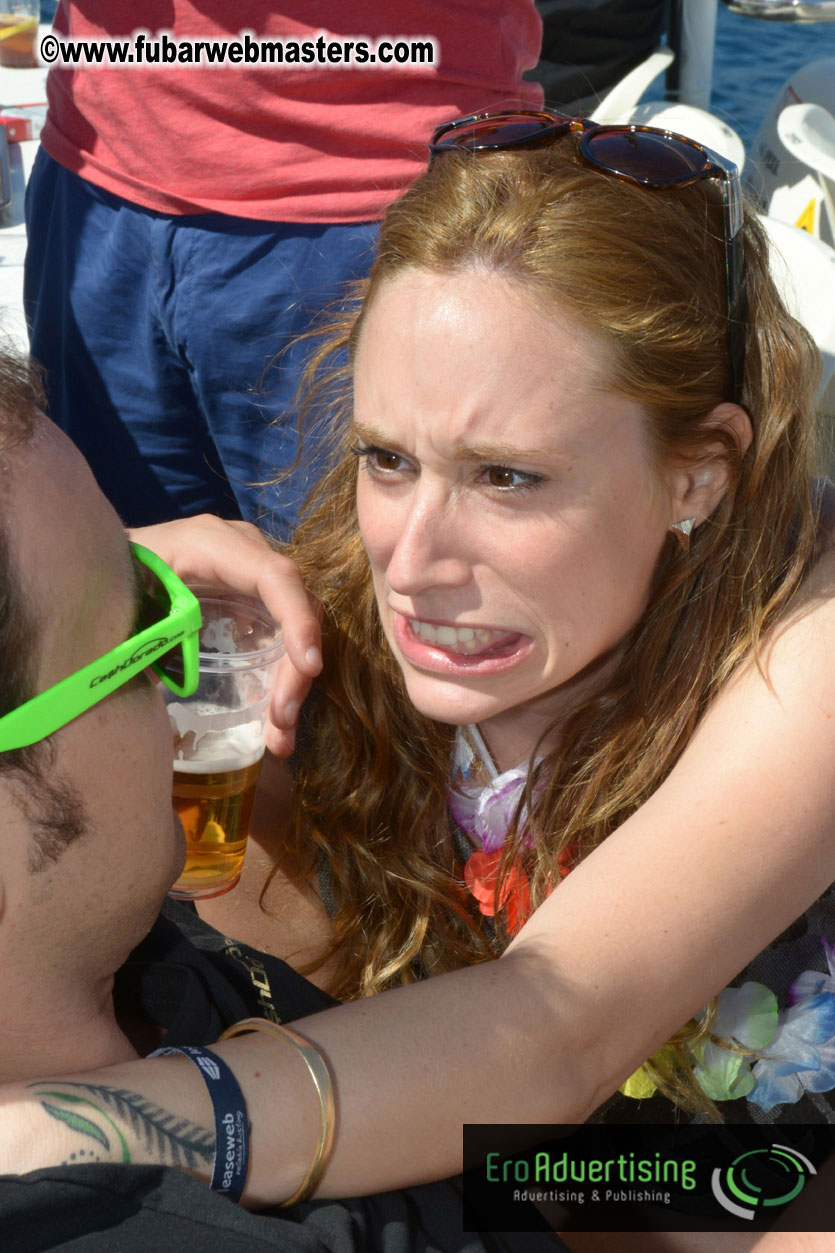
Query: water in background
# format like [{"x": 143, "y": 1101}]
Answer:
[{"x": 753, "y": 60}]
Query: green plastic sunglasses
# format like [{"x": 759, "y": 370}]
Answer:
[{"x": 166, "y": 640}]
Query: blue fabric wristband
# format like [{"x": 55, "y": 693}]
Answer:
[{"x": 231, "y": 1160}]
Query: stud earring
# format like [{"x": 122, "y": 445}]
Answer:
[{"x": 682, "y": 531}]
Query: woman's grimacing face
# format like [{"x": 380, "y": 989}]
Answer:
[{"x": 509, "y": 503}]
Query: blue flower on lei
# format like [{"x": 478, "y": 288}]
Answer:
[
  {"x": 801, "y": 1056},
  {"x": 756, "y": 1051}
]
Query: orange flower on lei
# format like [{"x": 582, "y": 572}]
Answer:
[{"x": 480, "y": 874}]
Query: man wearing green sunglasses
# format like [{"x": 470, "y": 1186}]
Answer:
[
  {"x": 91, "y": 844},
  {"x": 90, "y": 847},
  {"x": 88, "y": 623}
]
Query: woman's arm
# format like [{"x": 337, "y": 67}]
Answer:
[
  {"x": 236, "y": 555},
  {"x": 731, "y": 849}
]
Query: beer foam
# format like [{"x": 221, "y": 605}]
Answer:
[
  {"x": 219, "y": 765},
  {"x": 210, "y": 739},
  {"x": 201, "y": 716}
]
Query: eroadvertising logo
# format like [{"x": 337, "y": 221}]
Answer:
[
  {"x": 761, "y": 1178},
  {"x": 648, "y": 1177}
]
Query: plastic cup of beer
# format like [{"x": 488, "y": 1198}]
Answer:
[
  {"x": 219, "y": 736},
  {"x": 18, "y": 32}
]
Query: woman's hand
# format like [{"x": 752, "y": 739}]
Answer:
[{"x": 236, "y": 555}]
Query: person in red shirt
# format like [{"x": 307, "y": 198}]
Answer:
[{"x": 187, "y": 221}]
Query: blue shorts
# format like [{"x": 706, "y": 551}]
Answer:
[{"x": 159, "y": 337}]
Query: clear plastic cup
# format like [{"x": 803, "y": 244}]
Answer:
[
  {"x": 219, "y": 738},
  {"x": 18, "y": 32}
]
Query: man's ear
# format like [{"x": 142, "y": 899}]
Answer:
[{"x": 698, "y": 484}]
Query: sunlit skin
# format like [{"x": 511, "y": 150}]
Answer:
[
  {"x": 74, "y": 551},
  {"x": 502, "y": 487}
]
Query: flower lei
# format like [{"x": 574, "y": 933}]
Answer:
[
  {"x": 756, "y": 1050},
  {"x": 485, "y": 811}
]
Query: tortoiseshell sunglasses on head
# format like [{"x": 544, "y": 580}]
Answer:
[{"x": 649, "y": 157}]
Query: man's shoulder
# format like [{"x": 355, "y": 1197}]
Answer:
[{"x": 193, "y": 981}]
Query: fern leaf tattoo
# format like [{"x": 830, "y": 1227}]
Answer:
[
  {"x": 77, "y": 1123},
  {"x": 169, "y": 1139}
]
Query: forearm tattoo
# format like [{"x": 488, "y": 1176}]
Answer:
[{"x": 114, "y": 1124}]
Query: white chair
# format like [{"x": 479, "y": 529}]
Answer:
[{"x": 804, "y": 270}]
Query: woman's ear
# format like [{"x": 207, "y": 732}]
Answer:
[{"x": 698, "y": 484}]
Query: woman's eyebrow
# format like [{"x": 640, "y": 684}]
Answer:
[
  {"x": 501, "y": 453},
  {"x": 372, "y": 435},
  {"x": 498, "y": 453}
]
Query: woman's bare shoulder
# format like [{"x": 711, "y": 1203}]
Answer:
[
  {"x": 269, "y": 909},
  {"x": 273, "y": 798}
]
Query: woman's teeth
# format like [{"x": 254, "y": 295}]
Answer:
[{"x": 467, "y": 640}]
